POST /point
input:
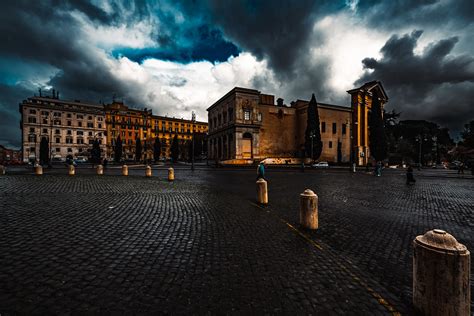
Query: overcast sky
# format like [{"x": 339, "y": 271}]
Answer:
[{"x": 180, "y": 56}]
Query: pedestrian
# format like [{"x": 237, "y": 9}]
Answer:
[
  {"x": 461, "y": 168},
  {"x": 261, "y": 171},
  {"x": 410, "y": 178}
]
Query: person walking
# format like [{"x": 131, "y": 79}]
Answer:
[
  {"x": 261, "y": 171},
  {"x": 410, "y": 178}
]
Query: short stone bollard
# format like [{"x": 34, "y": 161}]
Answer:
[
  {"x": 262, "y": 191},
  {"x": 148, "y": 171},
  {"x": 3, "y": 170},
  {"x": 309, "y": 209},
  {"x": 100, "y": 170},
  {"x": 38, "y": 170},
  {"x": 72, "y": 170},
  {"x": 441, "y": 268},
  {"x": 170, "y": 174},
  {"x": 124, "y": 170}
]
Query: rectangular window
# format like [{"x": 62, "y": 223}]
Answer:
[
  {"x": 45, "y": 121},
  {"x": 57, "y": 150},
  {"x": 58, "y": 140},
  {"x": 89, "y": 118},
  {"x": 68, "y": 115},
  {"x": 44, "y": 113},
  {"x": 80, "y": 141},
  {"x": 32, "y": 111},
  {"x": 80, "y": 133},
  {"x": 344, "y": 127},
  {"x": 334, "y": 128},
  {"x": 323, "y": 127},
  {"x": 45, "y": 130},
  {"x": 330, "y": 144},
  {"x": 32, "y": 129},
  {"x": 69, "y": 132},
  {"x": 79, "y": 124},
  {"x": 90, "y": 124},
  {"x": 31, "y": 119},
  {"x": 69, "y": 123},
  {"x": 90, "y": 133},
  {"x": 247, "y": 115},
  {"x": 56, "y": 131},
  {"x": 57, "y": 114},
  {"x": 79, "y": 116},
  {"x": 69, "y": 150}
]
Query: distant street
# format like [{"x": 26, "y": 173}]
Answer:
[{"x": 114, "y": 244}]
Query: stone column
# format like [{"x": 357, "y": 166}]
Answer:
[
  {"x": 38, "y": 170},
  {"x": 124, "y": 170},
  {"x": 441, "y": 268},
  {"x": 309, "y": 209},
  {"x": 170, "y": 174},
  {"x": 100, "y": 170},
  {"x": 71, "y": 170},
  {"x": 262, "y": 191},
  {"x": 148, "y": 171}
]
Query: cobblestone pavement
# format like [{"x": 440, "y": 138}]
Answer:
[{"x": 120, "y": 245}]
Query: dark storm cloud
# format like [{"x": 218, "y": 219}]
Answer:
[
  {"x": 421, "y": 13},
  {"x": 433, "y": 85},
  {"x": 11, "y": 96}
]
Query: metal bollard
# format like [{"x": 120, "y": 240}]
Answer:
[
  {"x": 100, "y": 170},
  {"x": 72, "y": 170},
  {"x": 124, "y": 170},
  {"x": 38, "y": 170},
  {"x": 3, "y": 170},
  {"x": 170, "y": 174},
  {"x": 148, "y": 171},
  {"x": 309, "y": 209},
  {"x": 441, "y": 268},
  {"x": 262, "y": 191}
]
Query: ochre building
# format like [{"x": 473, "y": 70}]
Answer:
[
  {"x": 132, "y": 124},
  {"x": 246, "y": 125}
]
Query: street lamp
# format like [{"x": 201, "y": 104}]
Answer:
[{"x": 420, "y": 138}]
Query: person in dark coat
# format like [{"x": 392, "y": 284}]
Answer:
[
  {"x": 261, "y": 171},
  {"x": 410, "y": 178}
]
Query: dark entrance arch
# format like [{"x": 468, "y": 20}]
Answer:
[{"x": 247, "y": 146}]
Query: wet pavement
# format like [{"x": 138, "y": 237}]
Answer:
[{"x": 200, "y": 244}]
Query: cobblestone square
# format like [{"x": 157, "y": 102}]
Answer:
[{"x": 121, "y": 245}]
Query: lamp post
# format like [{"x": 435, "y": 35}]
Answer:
[
  {"x": 420, "y": 138},
  {"x": 192, "y": 153}
]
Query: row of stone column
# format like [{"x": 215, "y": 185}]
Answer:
[
  {"x": 441, "y": 265},
  {"x": 100, "y": 171}
]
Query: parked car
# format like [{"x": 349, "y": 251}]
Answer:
[
  {"x": 81, "y": 159},
  {"x": 321, "y": 164}
]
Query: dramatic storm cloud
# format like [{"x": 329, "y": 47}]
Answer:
[{"x": 178, "y": 57}]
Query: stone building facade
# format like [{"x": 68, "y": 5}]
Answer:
[
  {"x": 69, "y": 126},
  {"x": 132, "y": 124},
  {"x": 246, "y": 125}
]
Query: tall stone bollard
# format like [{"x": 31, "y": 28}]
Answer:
[
  {"x": 262, "y": 191},
  {"x": 100, "y": 170},
  {"x": 124, "y": 170},
  {"x": 38, "y": 170},
  {"x": 441, "y": 269},
  {"x": 309, "y": 209},
  {"x": 72, "y": 170},
  {"x": 3, "y": 170},
  {"x": 148, "y": 171},
  {"x": 170, "y": 174}
]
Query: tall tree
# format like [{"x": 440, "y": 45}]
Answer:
[
  {"x": 157, "y": 149},
  {"x": 468, "y": 135},
  {"x": 377, "y": 137},
  {"x": 44, "y": 151},
  {"x": 175, "y": 148},
  {"x": 313, "y": 144},
  {"x": 118, "y": 149},
  {"x": 95, "y": 152},
  {"x": 138, "y": 150}
]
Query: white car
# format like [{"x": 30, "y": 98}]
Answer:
[{"x": 321, "y": 164}]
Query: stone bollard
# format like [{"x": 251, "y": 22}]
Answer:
[
  {"x": 72, "y": 170},
  {"x": 3, "y": 170},
  {"x": 148, "y": 171},
  {"x": 124, "y": 170},
  {"x": 309, "y": 209},
  {"x": 441, "y": 269},
  {"x": 262, "y": 191},
  {"x": 38, "y": 170},
  {"x": 100, "y": 170},
  {"x": 170, "y": 174}
]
